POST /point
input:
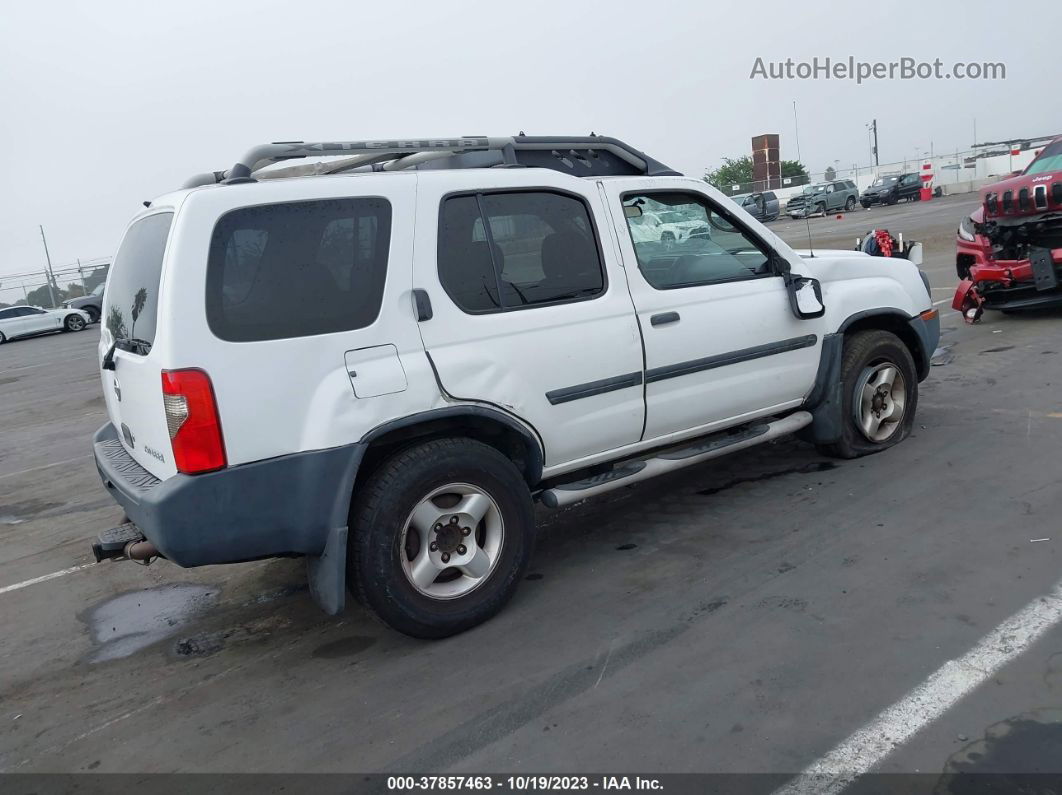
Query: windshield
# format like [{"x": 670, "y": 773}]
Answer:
[
  {"x": 98, "y": 289},
  {"x": 817, "y": 189},
  {"x": 881, "y": 181},
  {"x": 1049, "y": 160}
]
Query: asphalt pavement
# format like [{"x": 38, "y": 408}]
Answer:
[{"x": 748, "y": 615}]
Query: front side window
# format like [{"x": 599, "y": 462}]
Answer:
[
  {"x": 136, "y": 273},
  {"x": 704, "y": 246},
  {"x": 298, "y": 269},
  {"x": 504, "y": 251}
]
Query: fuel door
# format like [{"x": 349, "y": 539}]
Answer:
[{"x": 375, "y": 371}]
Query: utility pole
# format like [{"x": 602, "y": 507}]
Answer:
[
  {"x": 50, "y": 275},
  {"x": 81, "y": 273},
  {"x": 874, "y": 129}
]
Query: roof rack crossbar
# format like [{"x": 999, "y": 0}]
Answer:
[{"x": 399, "y": 154}]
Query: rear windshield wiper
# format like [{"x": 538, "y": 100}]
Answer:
[{"x": 133, "y": 345}]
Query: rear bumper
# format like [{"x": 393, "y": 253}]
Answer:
[{"x": 280, "y": 506}]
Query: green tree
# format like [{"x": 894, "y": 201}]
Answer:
[
  {"x": 733, "y": 172},
  {"x": 739, "y": 171},
  {"x": 793, "y": 168},
  {"x": 43, "y": 297}
]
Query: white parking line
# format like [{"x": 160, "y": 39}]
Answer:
[
  {"x": 942, "y": 301},
  {"x": 945, "y": 687},
  {"x": 46, "y": 466},
  {"x": 44, "y": 578}
]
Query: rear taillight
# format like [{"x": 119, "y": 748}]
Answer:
[{"x": 192, "y": 420}]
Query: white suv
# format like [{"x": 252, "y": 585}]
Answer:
[{"x": 380, "y": 362}]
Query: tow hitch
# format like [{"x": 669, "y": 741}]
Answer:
[{"x": 124, "y": 542}]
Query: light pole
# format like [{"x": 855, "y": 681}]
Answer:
[
  {"x": 873, "y": 127},
  {"x": 51, "y": 276}
]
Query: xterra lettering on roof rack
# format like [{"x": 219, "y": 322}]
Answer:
[{"x": 582, "y": 156}]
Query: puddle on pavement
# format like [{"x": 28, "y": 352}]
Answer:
[
  {"x": 19, "y": 512},
  {"x": 1030, "y": 742},
  {"x": 125, "y": 624}
]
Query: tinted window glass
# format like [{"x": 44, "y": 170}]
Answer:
[
  {"x": 1050, "y": 159},
  {"x": 703, "y": 247},
  {"x": 297, "y": 269},
  {"x": 6, "y": 313},
  {"x": 133, "y": 297},
  {"x": 536, "y": 247}
]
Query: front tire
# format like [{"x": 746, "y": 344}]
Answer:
[
  {"x": 74, "y": 323},
  {"x": 93, "y": 313},
  {"x": 879, "y": 386},
  {"x": 440, "y": 536}
]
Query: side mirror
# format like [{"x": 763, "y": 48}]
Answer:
[{"x": 805, "y": 296}]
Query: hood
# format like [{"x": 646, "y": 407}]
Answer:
[{"x": 874, "y": 189}]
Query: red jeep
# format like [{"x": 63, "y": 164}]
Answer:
[{"x": 1010, "y": 248}]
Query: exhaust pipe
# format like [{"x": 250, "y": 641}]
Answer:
[{"x": 143, "y": 552}]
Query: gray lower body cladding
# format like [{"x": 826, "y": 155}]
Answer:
[{"x": 281, "y": 506}]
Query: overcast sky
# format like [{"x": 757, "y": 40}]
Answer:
[{"x": 105, "y": 104}]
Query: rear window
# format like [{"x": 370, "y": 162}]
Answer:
[
  {"x": 133, "y": 291},
  {"x": 298, "y": 269}
]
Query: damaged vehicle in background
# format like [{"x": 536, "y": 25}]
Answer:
[
  {"x": 1010, "y": 248},
  {"x": 826, "y": 197}
]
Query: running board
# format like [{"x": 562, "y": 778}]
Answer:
[{"x": 674, "y": 459}]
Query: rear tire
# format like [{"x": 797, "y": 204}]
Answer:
[
  {"x": 74, "y": 323},
  {"x": 3, "y": 339},
  {"x": 850, "y": 204},
  {"x": 876, "y": 412},
  {"x": 412, "y": 565}
]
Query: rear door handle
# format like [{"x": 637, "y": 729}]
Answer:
[{"x": 664, "y": 318}]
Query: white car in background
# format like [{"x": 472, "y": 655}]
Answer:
[{"x": 27, "y": 321}]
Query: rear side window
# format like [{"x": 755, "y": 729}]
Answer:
[
  {"x": 502, "y": 251},
  {"x": 133, "y": 291},
  {"x": 298, "y": 269}
]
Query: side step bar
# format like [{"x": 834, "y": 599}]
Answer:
[{"x": 673, "y": 459}]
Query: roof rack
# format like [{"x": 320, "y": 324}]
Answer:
[{"x": 583, "y": 156}]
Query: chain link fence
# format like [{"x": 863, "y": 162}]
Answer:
[
  {"x": 35, "y": 288},
  {"x": 954, "y": 172}
]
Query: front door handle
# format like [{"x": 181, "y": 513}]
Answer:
[{"x": 664, "y": 318}]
